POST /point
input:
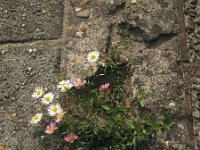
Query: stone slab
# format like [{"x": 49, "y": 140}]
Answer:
[
  {"x": 24, "y": 20},
  {"x": 22, "y": 69}
]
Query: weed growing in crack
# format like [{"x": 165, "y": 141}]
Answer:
[
  {"x": 139, "y": 96},
  {"x": 126, "y": 36},
  {"x": 97, "y": 113}
]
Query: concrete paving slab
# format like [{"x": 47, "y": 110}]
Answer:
[
  {"x": 21, "y": 70},
  {"x": 23, "y": 20}
]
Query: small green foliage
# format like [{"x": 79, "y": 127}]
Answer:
[
  {"x": 140, "y": 94},
  {"x": 58, "y": 78},
  {"x": 102, "y": 116},
  {"x": 112, "y": 50},
  {"x": 104, "y": 123},
  {"x": 126, "y": 36}
]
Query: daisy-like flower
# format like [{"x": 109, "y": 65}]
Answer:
[
  {"x": 54, "y": 109},
  {"x": 104, "y": 86},
  {"x": 68, "y": 87},
  {"x": 59, "y": 116},
  {"x": 62, "y": 84},
  {"x": 38, "y": 92},
  {"x": 65, "y": 85},
  {"x": 93, "y": 56},
  {"x": 70, "y": 137},
  {"x": 47, "y": 98},
  {"x": 35, "y": 119},
  {"x": 50, "y": 129},
  {"x": 78, "y": 82}
]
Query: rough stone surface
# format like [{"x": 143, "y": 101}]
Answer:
[
  {"x": 96, "y": 39},
  {"x": 21, "y": 71},
  {"x": 192, "y": 13},
  {"x": 78, "y": 3},
  {"x": 151, "y": 19},
  {"x": 23, "y": 20}
]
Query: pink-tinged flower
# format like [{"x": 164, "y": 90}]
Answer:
[
  {"x": 59, "y": 116},
  {"x": 70, "y": 137},
  {"x": 50, "y": 129},
  {"x": 78, "y": 82},
  {"x": 104, "y": 86}
]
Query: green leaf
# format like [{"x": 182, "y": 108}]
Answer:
[
  {"x": 144, "y": 131},
  {"x": 105, "y": 107},
  {"x": 165, "y": 134},
  {"x": 141, "y": 103},
  {"x": 132, "y": 126},
  {"x": 93, "y": 91}
]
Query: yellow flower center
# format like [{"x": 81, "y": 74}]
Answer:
[
  {"x": 48, "y": 98},
  {"x": 71, "y": 138},
  {"x": 80, "y": 83},
  {"x": 60, "y": 116},
  {"x": 63, "y": 84},
  {"x": 38, "y": 92},
  {"x": 93, "y": 57},
  {"x": 51, "y": 129},
  {"x": 55, "y": 109},
  {"x": 36, "y": 118}
]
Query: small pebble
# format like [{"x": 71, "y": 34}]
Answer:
[
  {"x": 77, "y": 9},
  {"x": 83, "y": 13},
  {"x": 180, "y": 125},
  {"x": 23, "y": 25}
]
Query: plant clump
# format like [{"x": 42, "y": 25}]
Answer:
[{"x": 99, "y": 113}]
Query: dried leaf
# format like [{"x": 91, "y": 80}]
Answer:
[
  {"x": 2, "y": 146},
  {"x": 14, "y": 114}
]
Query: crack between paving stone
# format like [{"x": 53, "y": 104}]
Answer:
[
  {"x": 109, "y": 40},
  {"x": 27, "y": 41},
  {"x": 64, "y": 32}
]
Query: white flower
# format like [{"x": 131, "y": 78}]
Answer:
[
  {"x": 93, "y": 56},
  {"x": 38, "y": 92},
  {"x": 35, "y": 119},
  {"x": 68, "y": 87},
  {"x": 59, "y": 116},
  {"x": 54, "y": 109},
  {"x": 47, "y": 98},
  {"x": 65, "y": 85}
]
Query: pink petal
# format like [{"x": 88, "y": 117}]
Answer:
[
  {"x": 48, "y": 132},
  {"x": 52, "y": 124}
]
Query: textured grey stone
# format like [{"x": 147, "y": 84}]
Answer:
[
  {"x": 23, "y": 20},
  {"x": 17, "y": 95},
  {"x": 78, "y": 3}
]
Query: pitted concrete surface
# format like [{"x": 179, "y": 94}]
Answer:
[{"x": 24, "y": 20}]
